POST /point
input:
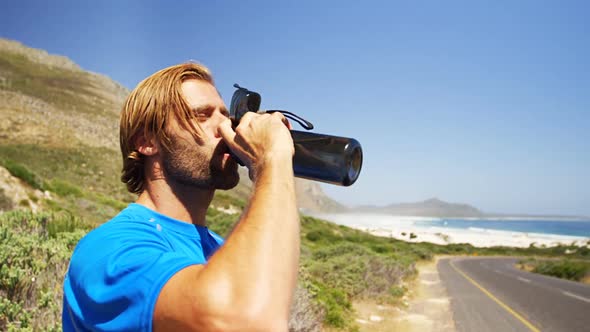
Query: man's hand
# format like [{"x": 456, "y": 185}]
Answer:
[{"x": 259, "y": 139}]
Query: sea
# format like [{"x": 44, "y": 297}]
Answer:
[
  {"x": 576, "y": 228},
  {"x": 579, "y": 228}
]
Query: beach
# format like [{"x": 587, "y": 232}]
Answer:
[{"x": 416, "y": 229}]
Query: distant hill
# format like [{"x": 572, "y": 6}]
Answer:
[
  {"x": 429, "y": 208},
  {"x": 437, "y": 208},
  {"x": 61, "y": 123}
]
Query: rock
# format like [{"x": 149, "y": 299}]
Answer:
[{"x": 14, "y": 192}]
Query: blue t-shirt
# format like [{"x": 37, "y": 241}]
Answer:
[{"x": 117, "y": 271}]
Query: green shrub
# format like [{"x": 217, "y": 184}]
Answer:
[
  {"x": 108, "y": 201},
  {"x": 101, "y": 173},
  {"x": 337, "y": 306},
  {"x": 313, "y": 236},
  {"x": 221, "y": 223},
  {"x": 64, "y": 188},
  {"x": 397, "y": 291},
  {"x": 23, "y": 173},
  {"x": 564, "y": 268},
  {"x": 34, "y": 254},
  {"x": 345, "y": 271}
]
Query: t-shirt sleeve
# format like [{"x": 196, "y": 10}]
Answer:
[{"x": 115, "y": 277}]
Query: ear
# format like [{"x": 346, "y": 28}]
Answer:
[{"x": 146, "y": 146}]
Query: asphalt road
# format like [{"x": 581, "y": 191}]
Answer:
[{"x": 490, "y": 294}]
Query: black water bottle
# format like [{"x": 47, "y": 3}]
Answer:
[{"x": 331, "y": 159}]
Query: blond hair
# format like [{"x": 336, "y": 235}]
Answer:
[{"x": 147, "y": 112}]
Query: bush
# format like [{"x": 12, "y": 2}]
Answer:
[
  {"x": 108, "y": 201},
  {"x": 34, "y": 254},
  {"x": 23, "y": 173},
  {"x": 220, "y": 222},
  {"x": 314, "y": 236},
  {"x": 64, "y": 188},
  {"x": 345, "y": 271},
  {"x": 306, "y": 315},
  {"x": 397, "y": 291},
  {"x": 565, "y": 269}
]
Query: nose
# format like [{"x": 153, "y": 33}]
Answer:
[{"x": 220, "y": 119}]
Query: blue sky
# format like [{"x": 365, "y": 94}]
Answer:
[{"x": 479, "y": 102}]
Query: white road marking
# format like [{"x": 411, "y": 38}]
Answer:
[
  {"x": 503, "y": 273},
  {"x": 581, "y": 298},
  {"x": 523, "y": 279}
]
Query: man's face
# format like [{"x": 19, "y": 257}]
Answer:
[{"x": 205, "y": 164}]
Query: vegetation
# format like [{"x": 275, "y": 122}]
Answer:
[
  {"x": 67, "y": 89},
  {"x": 338, "y": 264},
  {"x": 576, "y": 270},
  {"x": 23, "y": 173},
  {"x": 34, "y": 253},
  {"x": 77, "y": 165}
]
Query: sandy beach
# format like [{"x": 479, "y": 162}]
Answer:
[{"x": 406, "y": 228}]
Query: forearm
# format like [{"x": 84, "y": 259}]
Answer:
[
  {"x": 259, "y": 261},
  {"x": 273, "y": 218}
]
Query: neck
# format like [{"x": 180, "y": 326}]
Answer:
[{"x": 179, "y": 201}]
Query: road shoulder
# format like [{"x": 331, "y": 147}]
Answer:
[{"x": 427, "y": 307}]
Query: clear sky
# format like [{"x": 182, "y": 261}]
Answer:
[{"x": 479, "y": 102}]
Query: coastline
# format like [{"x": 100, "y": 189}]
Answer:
[{"x": 404, "y": 228}]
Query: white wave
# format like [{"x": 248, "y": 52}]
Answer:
[{"x": 401, "y": 227}]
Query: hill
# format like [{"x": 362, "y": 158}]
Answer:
[
  {"x": 429, "y": 208},
  {"x": 437, "y": 208},
  {"x": 61, "y": 123}
]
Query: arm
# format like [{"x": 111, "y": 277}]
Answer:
[{"x": 249, "y": 282}]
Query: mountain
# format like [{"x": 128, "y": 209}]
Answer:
[
  {"x": 61, "y": 123},
  {"x": 429, "y": 208},
  {"x": 437, "y": 208}
]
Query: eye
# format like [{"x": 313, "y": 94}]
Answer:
[{"x": 201, "y": 116}]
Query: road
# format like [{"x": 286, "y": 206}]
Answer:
[{"x": 490, "y": 294}]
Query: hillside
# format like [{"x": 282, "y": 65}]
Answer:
[
  {"x": 61, "y": 123},
  {"x": 437, "y": 208},
  {"x": 429, "y": 208}
]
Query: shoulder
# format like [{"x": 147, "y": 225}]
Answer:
[
  {"x": 116, "y": 273},
  {"x": 125, "y": 231}
]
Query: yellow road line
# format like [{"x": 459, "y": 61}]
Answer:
[{"x": 502, "y": 304}]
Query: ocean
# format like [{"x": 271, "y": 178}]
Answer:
[{"x": 556, "y": 227}]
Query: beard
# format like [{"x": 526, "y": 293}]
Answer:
[{"x": 201, "y": 166}]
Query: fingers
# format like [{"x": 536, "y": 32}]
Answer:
[
  {"x": 247, "y": 118},
  {"x": 257, "y": 136},
  {"x": 283, "y": 119}
]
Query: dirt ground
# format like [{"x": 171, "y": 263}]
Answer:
[{"x": 425, "y": 308}]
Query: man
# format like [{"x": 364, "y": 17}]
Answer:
[{"x": 156, "y": 266}]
